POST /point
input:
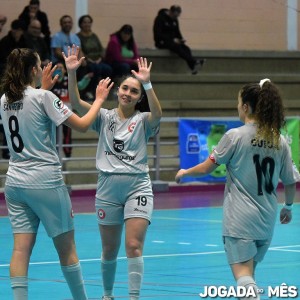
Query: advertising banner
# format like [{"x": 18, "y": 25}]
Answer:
[{"x": 197, "y": 139}]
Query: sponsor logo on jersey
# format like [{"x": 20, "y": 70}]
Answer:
[
  {"x": 118, "y": 145},
  {"x": 131, "y": 126},
  {"x": 101, "y": 214},
  {"x": 58, "y": 104},
  {"x": 140, "y": 210},
  {"x": 112, "y": 125},
  {"x": 120, "y": 157}
]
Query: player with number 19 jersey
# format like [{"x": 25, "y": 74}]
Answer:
[
  {"x": 122, "y": 146},
  {"x": 252, "y": 169},
  {"x": 30, "y": 128}
]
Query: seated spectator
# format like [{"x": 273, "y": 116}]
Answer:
[
  {"x": 121, "y": 51},
  {"x": 93, "y": 52},
  {"x": 167, "y": 35},
  {"x": 36, "y": 42},
  {"x": 33, "y": 12},
  {"x": 63, "y": 39},
  {"x": 14, "y": 39},
  {"x": 60, "y": 89},
  {"x": 3, "y": 20}
]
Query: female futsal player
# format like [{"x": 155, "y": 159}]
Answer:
[
  {"x": 256, "y": 157},
  {"x": 34, "y": 187},
  {"x": 124, "y": 191}
]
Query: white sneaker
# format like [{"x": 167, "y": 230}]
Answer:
[{"x": 107, "y": 298}]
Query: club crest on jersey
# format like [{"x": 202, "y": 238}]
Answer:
[
  {"x": 101, "y": 214},
  {"x": 131, "y": 126},
  {"x": 118, "y": 145},
  {"x": 58, "y": 104}
]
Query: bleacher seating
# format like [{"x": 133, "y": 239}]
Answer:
[{"x": 210, "y": 93}]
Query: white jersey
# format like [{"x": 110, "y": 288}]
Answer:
[
  {"x": 122, "y": 145},
  {"x": 30, "y": 129},
  {"x": 253, "y": 171}
]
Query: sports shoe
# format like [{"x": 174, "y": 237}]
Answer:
[
  {"x": 198, "y": 65},
  {"x": 107, "y": 298}
]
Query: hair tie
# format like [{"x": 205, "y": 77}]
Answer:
[{"x": 261, "y": 83}]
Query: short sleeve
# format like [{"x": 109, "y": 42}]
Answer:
[
  {"x": 224, "y": 150},
  {"x": 56, "y": 110}
]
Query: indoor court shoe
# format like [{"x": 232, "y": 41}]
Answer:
[{"x": 107, "y": 298}]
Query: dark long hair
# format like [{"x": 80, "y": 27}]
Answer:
[
  {"x": 126, "y": 29},
  {"x": 142, "y": 105},
  {"x": 267, "y": 109},
  {"x": 17, "y": 75}
]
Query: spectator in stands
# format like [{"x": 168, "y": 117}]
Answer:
[
  {"x": 60, "y": 89},
  {"x": 92, "y": 50},
  {"x": 167, "y": 35},
  {"x": 36, "y": 42},
  {"x": 63, "y": 39},
  {"x": 122, "y": 52},
  {"x": 33, "y": 12},
  {"x": 14, "y": 39},
  {"x": 3, "y": 20}
]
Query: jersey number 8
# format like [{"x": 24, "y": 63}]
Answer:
[{"x": 16, "y": 140}]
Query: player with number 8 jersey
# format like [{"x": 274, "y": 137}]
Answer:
[
  {"x": 34, "y": 189},
  {"x": 256, "y": 156}
]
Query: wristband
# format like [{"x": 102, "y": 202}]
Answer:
[
  {"x": 147, "y": 86},
  {"x": 288, "y": 207}
]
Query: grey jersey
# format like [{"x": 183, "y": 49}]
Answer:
[
  {"x": 253, "y": 171},
  {"x": 122, "y": 145},
  {"x": 30, "y": 129}
]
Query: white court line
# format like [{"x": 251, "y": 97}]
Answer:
[
  {"x": 124, "y": 257},
  {"x": 191, "y": 220},
  {"x": 278, "y": 248},
  {"x": 286, "y": 248},
  {"x": 283, "y": 247}
]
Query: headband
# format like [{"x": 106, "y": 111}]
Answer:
[{"x": 261, "y": 83}]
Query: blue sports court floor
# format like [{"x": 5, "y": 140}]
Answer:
[{"x": 183, "y": 251}]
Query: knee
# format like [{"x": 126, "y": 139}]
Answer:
[{"x": 134, "y": 248}]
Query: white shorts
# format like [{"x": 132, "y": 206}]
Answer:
[
  {"x": 241, "y": 250},
  {"x": 122, "y": 196},
  {"x": 27, "y": 207}
]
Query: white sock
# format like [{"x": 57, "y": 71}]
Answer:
[
  {"x": 248, "y": 281},
  {"x": 108, "y": 269},
  {"x": 135, "y": 276},
  {"x": 73, "y": 276},
  {"x": 19, "y": 285}
]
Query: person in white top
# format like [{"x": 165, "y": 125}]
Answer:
[
  {"x": 124, "y": 191},
  {"x": 34, "y": 189},
  {"x": 256, "y": 156}
]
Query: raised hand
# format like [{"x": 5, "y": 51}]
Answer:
[
  {"x": 71, "y": 60},
  {"x": 48, "y": 80},
  {"x": 143, "y": 75},
  {"x": 103, "y": 89}
]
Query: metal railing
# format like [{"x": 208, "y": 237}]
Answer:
[{"x": 155, "y": 159}]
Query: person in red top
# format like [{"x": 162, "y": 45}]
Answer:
[{"x": 122, "y": 52}]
